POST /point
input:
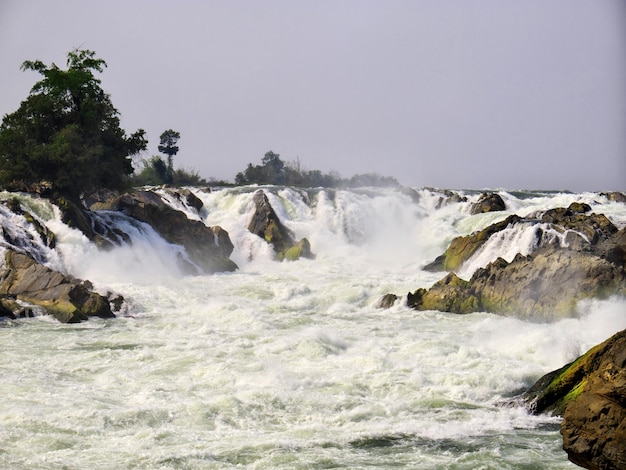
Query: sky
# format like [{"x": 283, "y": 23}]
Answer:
[{"x": 473, "y": 94}]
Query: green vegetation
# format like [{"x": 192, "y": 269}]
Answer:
[
  {"x": 168, "y": 146},
  {"x": 65, "y": 141},
  {"x": 66, "y": 135},
  {"x": 155, "y": 172},
  {"x": 274, "y": 171}
]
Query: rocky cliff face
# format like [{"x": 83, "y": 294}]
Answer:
[{"x": 590, "y": 394}]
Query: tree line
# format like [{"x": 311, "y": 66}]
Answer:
[
  {"x": 65, "y": 139},
  {"x": 273, "y": 170}
]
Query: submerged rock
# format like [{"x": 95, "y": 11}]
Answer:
[
  {"x": 387, "y": 301},
  {"x": 266, "y": 224},
  {"x": 67, "y": 299},
  {"x": 590, "y": 394}
]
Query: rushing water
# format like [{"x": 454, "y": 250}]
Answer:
[{"x": 289, "y": 364}]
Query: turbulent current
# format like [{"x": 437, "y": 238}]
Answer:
[{"x": 285, "y": 365}]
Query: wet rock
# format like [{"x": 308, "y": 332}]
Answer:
[
  {"x": 187, "y": 197},
  {"x": 266, "y": 224},
  {"x": 209, "y": 248},
  {"x": 388, "y": 301},
  {"x": 615, "y": 196},
  {"x": 47, "y": 236},
  {"x": 462, "y": 248},
  {"x": 450, "y": 294},
  {"x": 488, "y": 202},
  {"x": 447, "y": 197},
  {"x": 67, "y": 299},
  {"x": 590, "y": 394},
  {"x": 302, "y": 249},
  {"x": 545, "y": 285},
  {"x": 75, "y": 215}
]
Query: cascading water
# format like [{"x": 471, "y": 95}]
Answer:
[{"x": 288, "y": 364}]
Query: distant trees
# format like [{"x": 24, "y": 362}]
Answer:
[
  {"x": 155, "y": 173},
  {"x": 169, "y": 139},
  {"x": 274, "y": 171},
  {"x": 67, "y": 132}
]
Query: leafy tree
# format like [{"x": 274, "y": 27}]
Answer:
[
  {"x": 67, "y": 132},
  {"x": 168, "y": 146},
  {"x": 155, "y": 172},
  {"x": 271, "y": 172}
]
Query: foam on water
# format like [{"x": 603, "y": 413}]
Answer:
[{"x": 285, "y": 365}]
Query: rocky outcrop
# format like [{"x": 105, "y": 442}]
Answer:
[
  {"x": 208, "y": 247},
  {"x": 545, "y": 285},
  {"x": 74, "y": 215},
  {"x": 462, "y": 248},
  {"x": 590, "y": 394},
  {"x": 187, "y": 197},
  {"x": 266, "y": 224},
  {"x": 446, "y": 197},
  {"x": 615, "y": 196},
  {"x": 488, "y": 202},
  {"x": 69, "y": 300}
]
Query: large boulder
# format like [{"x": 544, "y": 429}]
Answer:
[
  {"x": 266, "y": 224},
  {"x": 208, "y": 247},
  {"x": 67, "y": 299},
  {"x": 590, "y": 394},
  {"x": 615, "y": 196},
  {"x": 74, "y": 215},
  {"x": 545, "y": 285},
  {"x": 488, "y": 202}
]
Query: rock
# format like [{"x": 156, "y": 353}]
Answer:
[
  {"x": 302, "y": 249},
  {"x": 47, "y": 236},
  {"x": 545, "y": 285},
  {"x": 186, "y": 197},
  {"x": 462, "y": 248},
  {"x": 488, "y": 202},
  {"x": 447, "y": 197},
  {"x": 450, "y": 294},
  {"x": 209, "y": 248},
  {"x": 590, "y": 394},
  {"x": 266, "y": 224},
  {"x": 66, "y": 298},
  {"x": 75, "y": 215},
  {"x": 388, "y": 301},
  {"x": 593, "y": 226},
  {"x": 615, "y": 196}
]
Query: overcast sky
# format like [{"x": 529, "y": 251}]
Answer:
[{"x": 526, "y": 94}]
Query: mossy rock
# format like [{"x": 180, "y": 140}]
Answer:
[
  {"x": 462, "y": 248},
  {"x": 552, "y": 392},
  {"x": 302, "y": 249}
]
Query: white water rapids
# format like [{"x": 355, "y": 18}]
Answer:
[{"x": 284, "y": 365}]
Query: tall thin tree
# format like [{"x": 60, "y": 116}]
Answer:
[{"x": 169, "y": 139}]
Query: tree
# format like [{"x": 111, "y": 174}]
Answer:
[
  {"x": 155, "y": 172},
  {"x": 67, "y": 132},
  {"x": 168, "y": 146}
]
